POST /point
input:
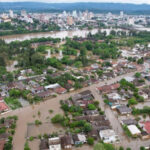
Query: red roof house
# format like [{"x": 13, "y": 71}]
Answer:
[
  {"x": 146, "y": 126},
  {"x": 3, "y": 107},
  {"x": 2, "y": 143}
]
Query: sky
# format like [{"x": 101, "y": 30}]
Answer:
[{"x": 69, "y": 1}]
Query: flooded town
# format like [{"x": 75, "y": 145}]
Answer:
[{"x": 74, "y": 80}]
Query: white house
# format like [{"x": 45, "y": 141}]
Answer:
[
  {"x": 108, "y": 136},
  {"x": 134, "y": 130},
  {"x": 114, "y": 96},
  {"x": 54, "y": 143},
  {"x": 52, "y": 86}
]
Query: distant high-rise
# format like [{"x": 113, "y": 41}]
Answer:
[
  {"x": 11, "y": 13},
  {"x": 121, "y": 14},
  {"x": 131, "y": 21},
  {"x": 70, "y": 20},
  {"x": 64, "y": 14},
  {"x": 23, "y": 13},
  {"x": 74, "y": 14}
]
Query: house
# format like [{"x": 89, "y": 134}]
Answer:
[
  {"x": 52, "y": 86},
  {"x": 83, "y": 98},
  {"x": 8, "y": 122},
  {"x": 114, "y": 96},
  {"x": 4, "y": 136},
  {"x": 79, "y": 139},
  {"x": 69, "y": 87},
  {"x": 124, "y": 110},
  {"x": 54, "y": 143},
  {"x": 145, "y": 126},
  {"x": 145, "y": 135},
  {"x": 101, "y": 125},
  {"x": 95, "y": 66},
  {"x": 129, "y": 122},
  {"x": 66, "y": 142},
  {"x": 129, "y": 79},
  {"x": 3, "y": 107},
  {"x": 108, "y": 136},
  {"x": 60, "y": 90},
  {"x": 20, "y": 86},
  {"x": 44, "y": 94},
  {"x": 38, "y": 89},
  {"x": 44, "y": 145},
  {"x": 2, "y": 143},
  {"x": 144, "y": 95},
  {"x": 134, "y": 130},
  {"x": 93, "y": 133},
  {"x": 1, "y": 99},
  {"x": 91, "y": 112},
  {"x": 108, "y": 88}
]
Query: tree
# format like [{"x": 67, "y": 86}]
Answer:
[
  {"x": 137, "y": 75},
  {"x": 26, "y": 146},
  {"x": 132, "y": 101},
  {"x": 140, "y": 61},
  {"x": 57, "y": 118},
  {"x": 15, "y": 93},
  {"x": 37, "y": 122},
  {"x": 78, "y": 64},
  {"x": 142, "y": 148},
  {"x": 99, "y": 146},
  {"x": 91, "y": 107},
  {"x": 128, "y": 148},
  {"x": 90, "y": 141},
  {"x": 106, "y": 101},
  {"x": 109, "y": 146},
  {"x": 87, "y": 127},
  {"x": 2, "y": 61},
  {"x": 83, "y": 56},
  {"x": 121, "y": 148}
]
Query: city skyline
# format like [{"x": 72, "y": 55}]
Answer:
[{"x": 72, "y": 1}]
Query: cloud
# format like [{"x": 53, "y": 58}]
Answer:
[{"x": 69, "y": 1}]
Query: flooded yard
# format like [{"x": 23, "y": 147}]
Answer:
[{"x": 45, "y": 128}]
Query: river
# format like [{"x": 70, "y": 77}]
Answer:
[{"x": 53, "y": 34}]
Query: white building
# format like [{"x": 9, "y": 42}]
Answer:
[
  {"x": 134, "y": 130},
  {"x": 108, "y": 136},
  {"x": 54, "y": 143},
  {"x": 52, "y": 86},
  {"x": 11, "y": 14}
]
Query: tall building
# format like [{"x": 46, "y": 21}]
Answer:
[
  {"x": 74, "y": 14},
  {"x": 70, "y": 20},
  {"x": 131, "y": 21},
  {"x": 23, "y": 13},
  {"x": 64, "y": 14},
  {"x": 11, "y": 13},
  {"x": 121, "y": 14}
]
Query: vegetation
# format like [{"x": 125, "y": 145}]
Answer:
[
  {"x": 13, "y": 103},
  {"x": 132, "y": 101},
  {"x": 37, "y": 122},
  {"x": 20, "y": 27},
  {"x": 145, "y": 110},
  {"x": 103, "y": 146},
  {"x": 57, "y": 118},
  {"x": 90, "y": 141},
  {"x": 26, "y": 146}
]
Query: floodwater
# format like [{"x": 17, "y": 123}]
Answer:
[{"x": 53, "y": 34}]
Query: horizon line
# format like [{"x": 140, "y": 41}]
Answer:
[{"x": 28, "y": 1}]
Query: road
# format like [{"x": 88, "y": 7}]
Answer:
[{"x": 29, "y": 114}]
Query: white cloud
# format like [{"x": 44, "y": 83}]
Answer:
[{"x": 69, "y": 1}]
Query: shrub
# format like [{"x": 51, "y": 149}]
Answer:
[{"x": 90, "y": 141}]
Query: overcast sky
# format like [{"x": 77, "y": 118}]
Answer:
[{"x": 68, "y": 1}]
